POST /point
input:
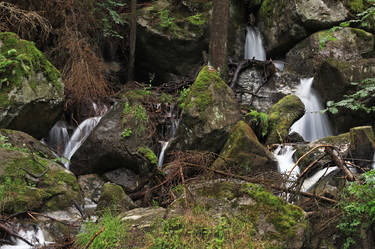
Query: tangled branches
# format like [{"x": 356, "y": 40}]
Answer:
[{"x": 23, "y": 22}]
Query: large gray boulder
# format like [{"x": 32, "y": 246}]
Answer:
[
  {"x": 170, "y": 40},
  {"x": 31, "y": 92},
  {"x": 210, "y": 110},
  {"x": 320, "y": 14},
  {"x": 349, "y": 44},
  {"x": 121, "y": 140}
]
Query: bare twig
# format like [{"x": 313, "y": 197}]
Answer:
[{"x": 93, "y": 238}]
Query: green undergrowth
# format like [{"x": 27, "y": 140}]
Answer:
[
  {"x": 134, "y": 120},
  {"x": 114, "y": 235},
  {"x": 149, "y": 154},
  {"x": 259, "y": 122},
  {"x": 358, "y": 206}
]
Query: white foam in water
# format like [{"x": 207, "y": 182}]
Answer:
[
  {"x": 58, "y": 136},
  {"x": 313, "y": 125},
  {"x": 253, "y": 46},
  {"x": 311, "y": 181},
  {"x": 79, "y": 137},
  {"x": 164, "y": 146},
  {"x": 34, "y": 236},
  {"x": 284, "y": 156}
]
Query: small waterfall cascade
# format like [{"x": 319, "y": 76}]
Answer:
[
  {"x": 311, "y": 181},
  {"x": 66, "y": 145},
  {"x": 254, "y": 46},
  {"x": 172, "y": 132},
  {"x": 284, "y": 156},
  {"x": 313, "y": 125},
  {"x": 33, "y": 235}
]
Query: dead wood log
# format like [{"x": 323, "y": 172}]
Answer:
[{"x": 336, "y": 158}]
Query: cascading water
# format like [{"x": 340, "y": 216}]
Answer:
[
  {"x": 172, "y": 133},
  {"x": 253, "y": 46},
  {"x": 34, "y": 236},
  {"x": 66, "y": 146},
  {"x": 313, "y": 125},
  {"x": 311, "y": 181}
]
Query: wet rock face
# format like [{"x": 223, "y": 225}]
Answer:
[
  {"x": 362, "y": 144},
  {"x": 254, "y": 92},
  {"x": 121, "y": 140},
  {"x": 30, "y": 181},
  {"x": 307, "y": 56},
  {"x": 319, "y": 14},
  {"x": 280, "y": 31},
  {"x": 209, "y": 112},
  {"x": 244, "y": 154},
  {"x": 113, "y": 197},
  {"x": 31, "y": 93},
  {"x": 334, "y": 80},
  {"x": 170, "y": 40}
]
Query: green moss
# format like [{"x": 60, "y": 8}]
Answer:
[
  {"x": 52, "y": 191},
  {"x": 362, "y": 34},
  {"x": 281, "y": 117},
  {"x": 135, "y": 120},
  {"x": 31, "y": 58},
  {"x": 149, "y": 154},
  {"x": 166, "y": 98},
  {"x": 200, "y": 95},
  {"x": 355, "y": 5}
]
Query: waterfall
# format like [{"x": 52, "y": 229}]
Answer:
[
  {"x": 172, "y": 132},
  {"x": 253, "y": 46},
  {"x": 284, "y": 157},
  {"x": 79, "y": 137},
  {"x": 65, "y": 146},
  {"x": 313, "y": 125},
  {"x": 34, "y": 235},
  {"x": 311, "y": 181}
]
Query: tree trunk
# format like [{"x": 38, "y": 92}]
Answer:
[
  {"x": 133, "y": 37},
  {"x": 219, "y": 36}
]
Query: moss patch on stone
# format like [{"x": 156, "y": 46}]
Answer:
[
  {"x": 29, "y": 57},
  {"x": 20, "y": 192},
  {"x": 281, "y": 117},
  {"x": 243, "y": 154},
  {"x": 149, "y": 154},
  {"x": 200, "y": 96}
]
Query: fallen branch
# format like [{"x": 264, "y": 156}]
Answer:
[
  {"x": 93, "y": 238},
  {"x": 340, "y": 163},
  {"x": 11, "y": 233}
]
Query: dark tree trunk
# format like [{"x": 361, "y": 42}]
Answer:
[
  {"x": 133, "y": 37},
  {"x": 219, "y": 36}
]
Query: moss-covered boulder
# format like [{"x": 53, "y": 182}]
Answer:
[
  {"x": 334, "y": 79},
  {"x": 30, "y": 181},
  {"x": 281, "y": 117},
  {"x": 122, "y": 139},
  {"x": 359, "y": 6},
  {"x": 209, "y": 112},
  {"x": 280, "y": 31},
  {"x": 247, "y": 214},
  {"x": 243, "y": 154},
  {"x": 170, "y": 39},
  {"x": 113, "y": 197},
  {"x": 346, "y": 44},
  {"x": 31, "y": 92}
]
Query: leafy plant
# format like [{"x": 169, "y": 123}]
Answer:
[
  {"x": 358, "y": 206},
  {"x": 197, "y": 19},
  {"x": 111, "y": 17},
  {"x": 183, "y": 94},
  {"x": 356, "y": 101},
  {"x": 113, "y": 235}
]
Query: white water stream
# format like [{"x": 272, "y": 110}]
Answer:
[
  {"x": 313, "y": 125},
  {"x": 253, "y": 46},
  {"x": 66, "y": 145},
  {"x": 34, "y": 236}
]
